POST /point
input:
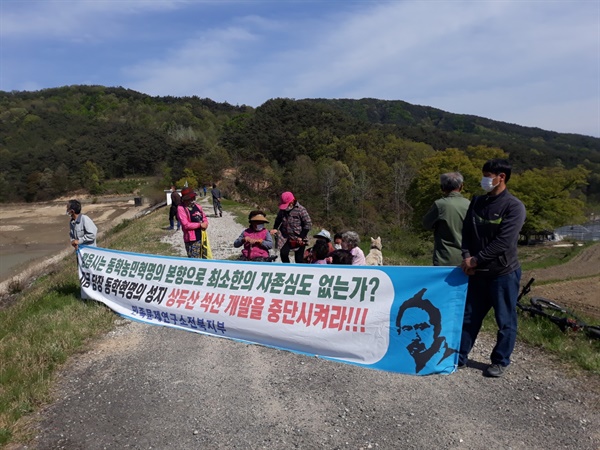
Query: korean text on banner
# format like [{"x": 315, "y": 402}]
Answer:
[{"x": 400, "y": 319}]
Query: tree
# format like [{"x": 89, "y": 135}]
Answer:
[
  {"x": 303, "y": 180},
  {"x": 91, "y": 176},
  {"x": 189, "y": 178},
  {"x": 330, "y": 173},
  {"x": 425, "y": 189},
  {"x": 552, "y": 197}
]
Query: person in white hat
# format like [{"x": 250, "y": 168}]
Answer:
[{"x": 325, "y": 236}]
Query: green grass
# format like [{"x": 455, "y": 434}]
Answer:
[
  {"x": 49, "y": 322},
  {"x": 542, "y": 256},
  {"x": 124, "y": 185},
  {"x": 572, "y": 347},
  {"x": 38, "y": 333}
]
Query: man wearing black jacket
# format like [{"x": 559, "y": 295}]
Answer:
[{"x": 489, "y": 249}]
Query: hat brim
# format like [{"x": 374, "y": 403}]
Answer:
[{"x": 259, "y": 219}]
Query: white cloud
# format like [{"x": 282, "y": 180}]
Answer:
[
  {"x": 32, "y": 19},
  {"x": 520, "y": 61}
]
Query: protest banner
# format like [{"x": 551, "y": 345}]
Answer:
[{"x": 394, "y": 318}]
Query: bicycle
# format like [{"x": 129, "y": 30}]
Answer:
[{"x": 563, "y": 317}]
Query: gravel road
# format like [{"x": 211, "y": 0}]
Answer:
[{"x": 150, "y": 387}]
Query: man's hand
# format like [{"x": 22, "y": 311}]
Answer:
[
  {"x": 468, "y": 265},
  {"x": 75, "y": 243},
  {"x": 274, "y": 232}
]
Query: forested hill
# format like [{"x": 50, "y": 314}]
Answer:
[
  {"x": 440, "y": 129},
  {"x": 55, "y": 140}
]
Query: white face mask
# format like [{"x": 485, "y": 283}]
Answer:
[
  {"x": 260, "y": 227},
  {"x": 487, "y": 184}
]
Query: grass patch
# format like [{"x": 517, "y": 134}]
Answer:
[
  {"x": 49, "y": 322},
  {"x": 543, "y": 256},
  {"x": 124, "y": 185},
  {"x": 573, "y": 347}
]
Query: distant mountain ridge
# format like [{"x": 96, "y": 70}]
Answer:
[
  {"x": 48, "y": 136},
  {"x": 443, "y": 129}
]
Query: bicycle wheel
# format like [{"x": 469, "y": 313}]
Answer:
[
  {"x": 563, "y": 317},
  {"x": 544, "y": 303},
  {"x": 592, "y": 331}
]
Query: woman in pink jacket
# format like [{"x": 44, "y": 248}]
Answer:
[{"x": 193, "y": 223}]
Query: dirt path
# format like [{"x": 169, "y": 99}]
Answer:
[
  {"x": 145, "y": 387},
  {"x": 148, "y": 387}
]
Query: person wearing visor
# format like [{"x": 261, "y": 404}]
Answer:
[
  {"x": 255, "y": 239},
  {"x": 292, "y": 225}
]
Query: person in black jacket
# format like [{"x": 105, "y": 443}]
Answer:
[
  {"x": 175, "y": 201},
  {"x": 489, "y": 250}
]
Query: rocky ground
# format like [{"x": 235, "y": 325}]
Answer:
[{"x": 144, "y": 387}]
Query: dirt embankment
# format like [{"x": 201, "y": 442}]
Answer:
[
  {"x": 34, "y": 236},
  {"x": 575, "y": 284}
]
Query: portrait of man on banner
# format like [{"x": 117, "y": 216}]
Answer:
[{"x": 419, "y": 325}]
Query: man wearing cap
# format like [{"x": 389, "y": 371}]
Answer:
[
  {"x": 193, "y": 223},
  {"x": 293, "y": 224},
  {"x": 256, "y": 239}
]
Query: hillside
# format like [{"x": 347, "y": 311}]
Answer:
[
  {"x": 352, "y": 162},
  {"x": 532, "y": 147}
]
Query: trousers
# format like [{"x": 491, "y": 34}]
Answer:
[{"x": 483, "y": 294}]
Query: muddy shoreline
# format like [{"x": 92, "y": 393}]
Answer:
[{"x": 34, "y": 235}]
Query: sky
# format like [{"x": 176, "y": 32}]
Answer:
[{"x": 533, "y": 63}]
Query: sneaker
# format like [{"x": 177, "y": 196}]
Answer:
[
  {"x": 462, "y": 365},
  {"x": 495, "y": 371},
  {"x": 221, "y": 214},
  {"x": 170, "y": 228}
]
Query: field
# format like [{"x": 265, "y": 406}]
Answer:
[{"x": 575, "y": 283}]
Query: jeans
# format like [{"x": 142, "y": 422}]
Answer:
[{"x": 501, "y": 294}]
